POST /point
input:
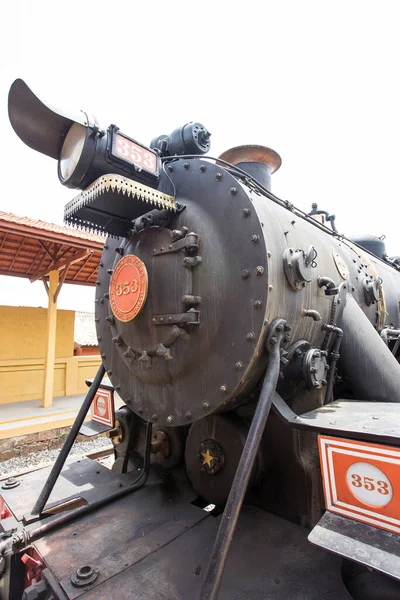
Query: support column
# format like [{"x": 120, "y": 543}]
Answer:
[{"x": 48, "y": 376}]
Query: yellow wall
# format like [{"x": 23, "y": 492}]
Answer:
[
  {"x": 23, "y": 332},
  {"x": 22, "y": 351},
  {"x": 23, "y": 379}
]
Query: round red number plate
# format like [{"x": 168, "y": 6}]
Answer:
[{"x": 128, "y": 288}]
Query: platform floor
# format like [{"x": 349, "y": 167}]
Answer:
[{"x": 22, "y": 418}]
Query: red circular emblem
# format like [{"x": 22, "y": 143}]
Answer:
[{"x": 128, "y": 288}]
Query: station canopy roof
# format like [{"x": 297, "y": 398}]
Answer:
[{"x": 30, "y": 248}]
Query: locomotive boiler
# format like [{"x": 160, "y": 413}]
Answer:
[{"x": 215, "y": 301}]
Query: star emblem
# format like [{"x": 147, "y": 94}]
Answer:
[{"x": 207, "y": 458}]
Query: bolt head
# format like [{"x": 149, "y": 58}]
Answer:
[
  {"x": 259, "y": 270},
  {"x": 170, "y": 168},
  {"x": 170, "y": 419},
  {"x": 245, "y": 273},
  {"x": 257, "y": 303},
  {"x": 250, "y": 336},
  {"x": 255, "y": 238},
  {"x": 218, "y": 176},
  {"x": 246, "y": 212},
  {"x": 203, "y": 168},
  {"x": 233, "y": 191},
  {"x": 186, "y": 165},
  {"x": 239, "y": 365},
  {"x": 223, "y": 389},
  {"x": 188, "y": 415},
  {"x": 206, "y": 405}
]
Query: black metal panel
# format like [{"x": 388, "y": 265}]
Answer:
[
  {"x": 373, "y": 421},
  {"x": 362, "y": 543},
  {"x": 270, "y": 558}
]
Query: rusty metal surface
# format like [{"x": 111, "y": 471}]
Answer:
[
  {"x": 270, "y": 558},
  {"x": 121, "y": 533},
  {"x": 359, "y": 542},
  {"x": 373, "y": 421},
  {"x": 252, "y": 153},
  {"x": 79, "y": 478}
]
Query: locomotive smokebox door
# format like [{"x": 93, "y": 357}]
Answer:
[{"x": 182, "y": 300}]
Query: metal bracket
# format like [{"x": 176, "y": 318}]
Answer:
[
  {"x": 190, "y": 243},
  {"x": 191, "y": 317}
]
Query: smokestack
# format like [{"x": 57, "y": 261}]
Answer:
[{"x": 258, "y": 161}]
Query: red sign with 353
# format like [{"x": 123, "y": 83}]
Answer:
[{"x": 134, "y": 153}]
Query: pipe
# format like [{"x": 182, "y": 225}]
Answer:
[
  {"x": 330, "y": 286},
  {"x": 65, "y": 450},
  {"x": 335, "y": 357},
  {"x": 219, "y": 554},
  {"x": 368, "y": 363}
]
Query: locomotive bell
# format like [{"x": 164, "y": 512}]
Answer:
[{"x": 258, "y": 161}]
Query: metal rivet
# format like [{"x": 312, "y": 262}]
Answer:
[
  {"x": 218, "y": 176},
  {"x": 105, "y": 246},
  {"x": 270, "y": 288},
  {"x": 170, "y": 419},
  {"x": 110, "y": 271},
  {"x": 246, "y": 212},
  {"x": 140, "y": 410},
  {"x": 223, "y": 389},
  {"x": 97, "y": 282},
  {"x": 255, "y": 239},
  {"x": 101, "y": 264},
  {"x": 188, "y": 415},
  {"x": 257, "y": 303},
  {"x": 250, "y": 336},
  {"x": 269, "y": 254},
  {"x": 119, "y": 250},
  {"x": 206, "y": 405},
  {"x": 106, "y": 295},
  {"x": 259, "y": 270},
  {"x": 233, "y": 191},
  {"x": 245, "y": 273},
  {"x": 239, "y": 365},
  {"x": 186, "y": 165},
  {"x": 203, "y": 168},
  {"x": 154, "y": 417},
  {"x": 170, "y": 168}
]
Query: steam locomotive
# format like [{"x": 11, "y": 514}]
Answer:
[{"x": 256, "y": 350}]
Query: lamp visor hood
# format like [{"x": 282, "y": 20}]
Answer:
[{"x": 36, "y": 124}]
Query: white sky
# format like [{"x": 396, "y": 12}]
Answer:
[{"x": 317, "y": 81}]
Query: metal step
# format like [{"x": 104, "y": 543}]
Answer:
[
  {"x": 359, "y": 542},
  {"x": 367, "y": 421}
]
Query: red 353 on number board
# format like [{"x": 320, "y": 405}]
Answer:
[{"x": 134, "y": 153}]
